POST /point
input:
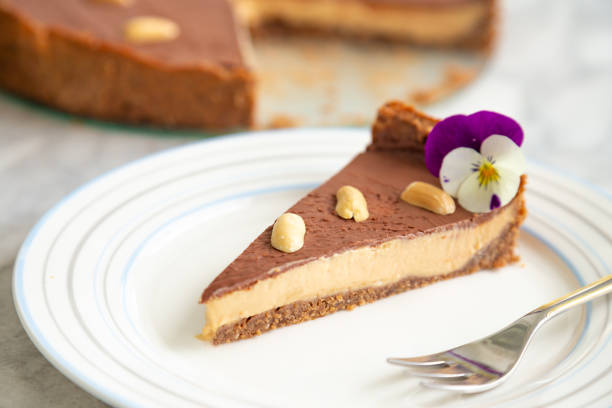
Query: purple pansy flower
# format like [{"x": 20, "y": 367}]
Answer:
[
  {"x": 477, "y": 158},
  {"x": 467, "y": 131}
]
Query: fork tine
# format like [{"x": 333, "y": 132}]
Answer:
[
  {"x": 432, "y": 360},
  {"x": 453, "y": 371}
]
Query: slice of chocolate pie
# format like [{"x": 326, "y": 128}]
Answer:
[{"x": 344, "y": 263}]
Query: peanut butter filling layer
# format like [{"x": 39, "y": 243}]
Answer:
[
  {"x": 438, "y": 253},
  {"x": 423, "y": 24}
]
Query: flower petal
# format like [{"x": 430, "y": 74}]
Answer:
[
  {"x": 486, "y": 123},
  {"x": 456, "y": 167},
  {"x": 476, "y": 198},
  {"x": 503, "y": 152},
  {"x": 445, "y": 136},
  {"x": 466, "y": 131}
]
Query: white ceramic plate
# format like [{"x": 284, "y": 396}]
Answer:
[{"x": 107, "y": 285}]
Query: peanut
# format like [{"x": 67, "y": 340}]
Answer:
[
  {"x": 351, "y": 204},
  {"x": 429, "y": 197},
  {"x": 288, "y": 233},
  {"x": 149, "y": 29}
]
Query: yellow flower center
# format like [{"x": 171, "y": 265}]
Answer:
[{"x": 487, "y": 174}]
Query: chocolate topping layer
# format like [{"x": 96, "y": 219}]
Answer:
[
  {"x": 207, "y": 27},
  {"x": 381, "y": 176}
]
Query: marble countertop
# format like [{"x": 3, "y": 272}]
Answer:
[{"x": 552, "y": 71}]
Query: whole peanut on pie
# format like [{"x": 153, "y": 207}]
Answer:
[
  {"x": 429, "y": 197},
  {"x": 288, "y": 233},
  {"x": 351, "y": 204},
  {"x": 148, "y": 29}
]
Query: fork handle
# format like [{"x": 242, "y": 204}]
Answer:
[{"x": 577, "y": 297}]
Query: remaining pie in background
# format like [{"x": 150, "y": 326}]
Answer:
[{"x": 188, "y": 63}]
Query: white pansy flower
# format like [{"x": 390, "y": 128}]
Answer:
[{"x": 483, "y": 181}]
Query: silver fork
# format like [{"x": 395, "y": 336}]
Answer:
[{"x": 483, "y": 364}]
